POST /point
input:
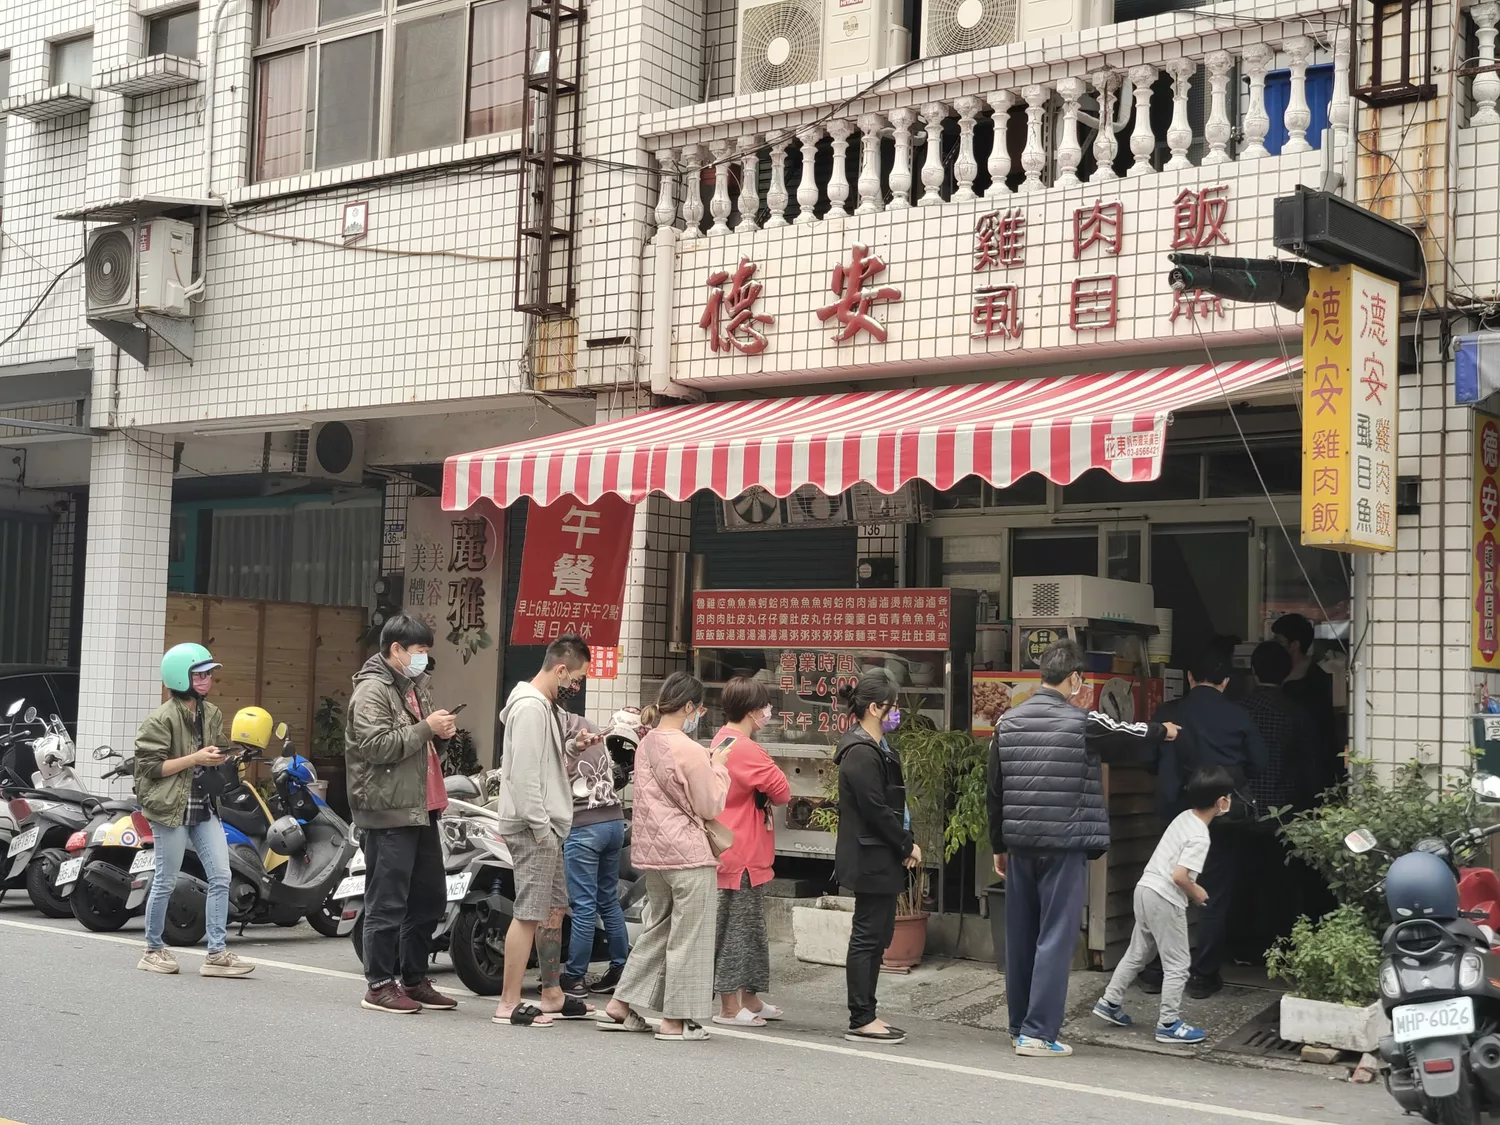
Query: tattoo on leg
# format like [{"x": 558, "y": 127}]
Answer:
[{"x": 549, "y": 953}]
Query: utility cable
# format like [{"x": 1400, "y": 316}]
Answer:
[{"x": 16, "y": 331}]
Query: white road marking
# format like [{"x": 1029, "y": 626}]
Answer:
[{"x": 1197, "y": 1107}]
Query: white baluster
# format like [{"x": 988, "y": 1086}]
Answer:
[
  {"x": 719, "y": 206},
  {"x": 1340, "y": 109},
  {"x": 692, "y": 187},
  {"x": 1180, "y": 133},
  {"x": 933, "y": 114},
  {"x": 1298, "y": 117},
  {"x": 1216, "y": 130},
  {"x": 776, "y": 197},
  {"x": 871, "y": 200},
  {"x": 1033, "y": 156},
  {"x": 666, "y": 196},
  {"x": 838, "y": 183},
  {"x": 1486, "y": 87},
  {"x": 749, "y": 183},
  {"x": 1069, "y": 151},
  {"x": 1142, "y": 140},
  {"x": 966, "y": 167},
  {"x": 1105, "y": 82},
  {"x": 998, "y": 164},
  {"x": 1257, "y": 123},
  {"x": 901, "y": 123},
  {"x": 807, "y": 185}
]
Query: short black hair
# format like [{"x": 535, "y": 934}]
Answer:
[
  {"x": 1213, "y": 666},
  {"x": 404, "y": 631},
  {"x": 1271, "y": 662},
  {"x": 1061, "y": 660},
  {"x": 1207, "y": 786},
  {"x": 568, "y": 649},
  {"x": 1294, "y": 627}
]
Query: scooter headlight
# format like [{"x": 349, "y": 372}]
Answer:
[
  {"x": 1470, "y": 971},
  {"x": 1390, "y": 983}
]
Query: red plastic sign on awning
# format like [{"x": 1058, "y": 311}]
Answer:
[{"x": 573, "y": 571}]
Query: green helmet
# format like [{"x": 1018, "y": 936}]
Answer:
[{"x": 179, "y": 662}]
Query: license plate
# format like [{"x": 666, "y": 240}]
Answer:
[
  {"x": 145, "y": 861},
  {"x": 68, "y": 872},
  {"x": 23, "y": 842},
  {"x": 352, "y": 886},
  {"x": 458, "y": 885},
  {"x": 1430, "y": 1021}
]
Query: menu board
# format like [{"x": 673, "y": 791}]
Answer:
[
  {"x": 822, "y": 619},
  {"x": 1127, "y": 698}
]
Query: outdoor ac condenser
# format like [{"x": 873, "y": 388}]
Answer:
[{"x": 1082, "y": 596}]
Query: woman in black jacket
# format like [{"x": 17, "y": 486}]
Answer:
[{"x": 874, "y": 845}]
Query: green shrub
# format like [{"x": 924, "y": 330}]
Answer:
[{"x": 1336, "y": 960}]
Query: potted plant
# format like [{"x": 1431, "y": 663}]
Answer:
[{"x": 1333, "y": 966}]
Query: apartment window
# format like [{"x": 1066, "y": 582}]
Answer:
[
  {"x": 4, "y": 93},
  {"x": 175, "y": 33},
  {"x": 73, "y": 62},
  {"x": 342, "y": 81}
]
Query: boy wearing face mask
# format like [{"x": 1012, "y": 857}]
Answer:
[{"x": 392, "y": 738}]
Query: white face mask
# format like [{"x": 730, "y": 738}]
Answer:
[
  {"x": 690, "y": 725},
  {"x": 416, "y": 663}
]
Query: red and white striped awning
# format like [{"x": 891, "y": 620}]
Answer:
[{"x": 1059, "y": 427}]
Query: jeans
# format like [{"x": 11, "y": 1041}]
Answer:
[
  {"x": 591, "y": 862},
  {"x": 406, "y": 892},
  {"x": 874, "y": 926},
  {"x": 213, "y": 854},
  {"x": 1044, "y": 896}
]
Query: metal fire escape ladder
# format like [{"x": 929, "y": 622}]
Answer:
[{"x": 551, "y": 158}]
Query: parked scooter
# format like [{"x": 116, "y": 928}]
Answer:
[
  {"x": 104, "y": 887},
  {"x": 1438, "y": 977}
]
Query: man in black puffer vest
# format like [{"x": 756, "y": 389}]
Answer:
[{"x": 1047, "y": 809}]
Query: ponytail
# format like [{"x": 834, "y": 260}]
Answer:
[{"x": 874, "y": 687}]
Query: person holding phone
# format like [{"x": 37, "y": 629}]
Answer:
[{"x": 176, "y": 750}]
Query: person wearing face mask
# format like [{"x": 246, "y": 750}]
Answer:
[
  {"x": 536, "y": 815},
  {"x": 679, "y": 786},
  {"x": 392, "y": 738},
  {"x": 742, "y": 952},
  {"x": 874, "y": 847},
  {"x": 1047, "y": 810}
]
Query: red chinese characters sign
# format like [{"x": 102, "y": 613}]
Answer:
[
  {"x": 824, "y": 619},
  {"x": 573, "y": 571},
  {"x": 1486, "y": 639}
]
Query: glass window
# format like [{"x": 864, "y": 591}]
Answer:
[
  {"x": 967, "y": 493},
  {"x": 1287, "y": 572},
  {"x": 4, "y": 93},
  {"x": 427, "y": 77},
  {"x": 348, "y": 123},
  {"x": 331, "y": 11},
  {"x": 280, "y": 18},
  {"x": 175, "y": 33},
  {"x": 1028, "y": 492},
  {"x": 1178, "y": 481},
  {"x": 1202, "y": 574},
  {"x": 1231, "y": 473},
  {"x": 73, "y": 62},
  {"x": 1122, "y": 555},
  {"x": 280, "y": 104},
  {"x": 497, "y": 60},
  {"x": 1047, "y": 551}
]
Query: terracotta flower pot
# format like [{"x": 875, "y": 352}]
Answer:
[{"x": 908, "y": 942}]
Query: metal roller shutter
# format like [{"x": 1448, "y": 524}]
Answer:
[{"x": 802, "y": 558}]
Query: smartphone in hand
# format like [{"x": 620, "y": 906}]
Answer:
[{"x": 457, "y": 709}]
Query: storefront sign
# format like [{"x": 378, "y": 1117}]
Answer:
[
  {"x": 1349, "y": 411},
  {"x": 823, "y": 619},
  {"x": 1126, "y": 698},
  {"x": 1486, "y": 638},
  {"x": 573, "y": 571},
  {"x": 455, "y": 582}
]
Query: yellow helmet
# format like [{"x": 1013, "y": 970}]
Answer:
[{"x": 252, "y": 727}]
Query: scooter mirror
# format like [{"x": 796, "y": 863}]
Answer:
[
  {"x": 30, "y": 716},
  {"x": 1360, "y": 841},
  {"x": 102, "y": 752},
  {"x": 14, "y": 709},
  {"x": 1487, "y": 788}
]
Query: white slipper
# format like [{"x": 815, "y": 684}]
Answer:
[
  {"x": 743, "y": 1018},
  {"x": 768, "y": 1011}
]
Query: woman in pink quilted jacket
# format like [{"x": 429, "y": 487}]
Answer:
[{"x": 678, "y": 786}]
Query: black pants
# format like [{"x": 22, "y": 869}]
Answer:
[
  {"x": 874, "y": 926},
  {"x": 406, "y": 891},
  {"x": 1221, "y": 876}
]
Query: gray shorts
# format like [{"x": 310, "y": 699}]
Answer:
[{"x": 541, "y": 886}]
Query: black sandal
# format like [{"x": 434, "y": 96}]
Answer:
[
  {"x": 574, "y": 1009},
  {"x": 524, "y": 1015}
]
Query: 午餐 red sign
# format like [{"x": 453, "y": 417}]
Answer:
[
  {"x": 911, "y": 619},
  {"x": 573, "y": 571}
]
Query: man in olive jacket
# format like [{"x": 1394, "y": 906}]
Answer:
[{"x": 391, "y": 741}]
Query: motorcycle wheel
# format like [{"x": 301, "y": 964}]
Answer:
[
  {"x": 1463, "y": 1107},
  {"x": 478, "y": 950},
  {"x": 41, "y": 873},
  {"x": 95, "y": 910},
  {"x": 326, "y": 919},
  {"x": 186, "y": 921}
]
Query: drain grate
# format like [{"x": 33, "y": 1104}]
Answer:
[{"x": 1261, "y": 1038}]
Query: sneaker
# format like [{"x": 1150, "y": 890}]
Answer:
[
  {"x": 1111, "y": 1013},
  {"x": 390, "y": 997},
  {"x": 574, "y": 987},
  {"x": 604, "y": 985},
  {"x": 1180, "y": 1032},
  {"x": 1029, "y": 1046},
  {"x": 1202, "y": 987},
  {"x": 158, "y": 961},
  {"x": 225, "y": 964},
  {"x": 425, "y": 993}
]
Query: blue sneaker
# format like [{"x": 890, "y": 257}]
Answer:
[
  {"x": 1179, "y": 1032},
  {"x": 1031, "y": 1047},
  {"x": 1111, "y": 1013}
]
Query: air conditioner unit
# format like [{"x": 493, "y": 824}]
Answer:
[
  {"x": 336, "y": 451},
  {"x": 755, "y": 509},
  {"x": 130, "y": 269},
  {"x": 790, "y": 42},
  {"x": 952, "y": 26},
  {"x": 1082, "y": 596}
]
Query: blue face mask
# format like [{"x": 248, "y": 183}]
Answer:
[
  {"x": 891, "y": 721},
  {"x": 418, "y": 664}
]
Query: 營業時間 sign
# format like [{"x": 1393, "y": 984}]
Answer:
[{"x": 822, "y": 619}]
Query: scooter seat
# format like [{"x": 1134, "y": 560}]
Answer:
[
  {"x": 117, "y": 806},
  {"x": 252, "y": 822}
]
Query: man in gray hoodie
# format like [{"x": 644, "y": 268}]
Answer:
[{"x": 536, "y": 814}]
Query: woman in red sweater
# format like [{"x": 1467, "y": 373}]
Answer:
[{"x": 742, "y": 957}]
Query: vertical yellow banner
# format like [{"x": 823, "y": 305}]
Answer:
[{"x": 1486, "y": 568}]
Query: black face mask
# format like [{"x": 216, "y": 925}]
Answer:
[{"x": 565, "y": 694}]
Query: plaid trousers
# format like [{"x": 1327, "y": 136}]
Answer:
[{"x": 671, "y": 968}]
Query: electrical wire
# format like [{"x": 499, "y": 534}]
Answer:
[{"x": 51, "y": 285}]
